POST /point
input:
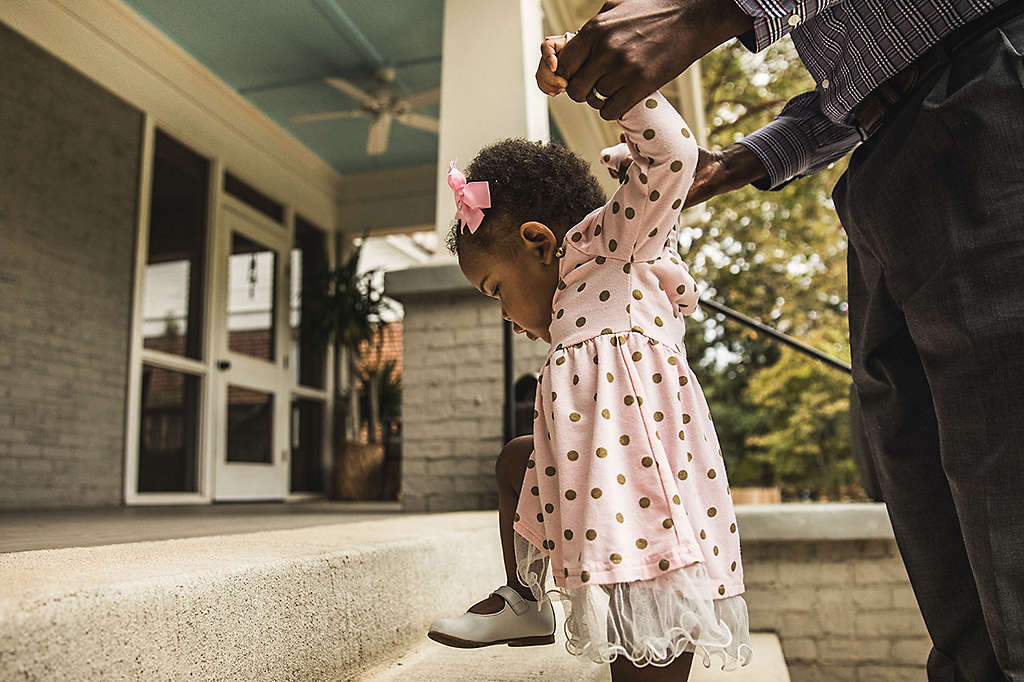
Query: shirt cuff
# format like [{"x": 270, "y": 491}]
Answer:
[
  {"x": 785, "y": 150},
  {"x": 769, "y": 24}
]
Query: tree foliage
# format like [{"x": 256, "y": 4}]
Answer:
[{"x": 780, "y": 257}]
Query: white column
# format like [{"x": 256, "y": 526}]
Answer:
[{"x": 490, "y": 53}]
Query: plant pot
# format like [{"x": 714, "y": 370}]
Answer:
[{"x": 359, "y": 471}]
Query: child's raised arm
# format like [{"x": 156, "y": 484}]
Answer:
[{"x": 647, "y": 204}]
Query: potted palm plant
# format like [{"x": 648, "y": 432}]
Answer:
[{"x": 345, "y": 306}]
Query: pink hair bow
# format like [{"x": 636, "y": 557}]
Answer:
[{"x": 470, "y": 198}]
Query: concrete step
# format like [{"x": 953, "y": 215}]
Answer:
[
  {"x": 433, "y": 662},
  {"x": 329, "y": 602}
]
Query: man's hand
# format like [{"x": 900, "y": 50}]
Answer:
[
  {"x": 633, "y": 47},
  {"x": 724, "y": 171}
]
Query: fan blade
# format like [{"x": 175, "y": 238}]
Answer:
[
  {"x": 422, "y": 99},
  {"x": 327, "y": 116},
  {"x": 352, "y": 91},
  {"x": 420, "y": 121},
  {"x": 380, "y": 131}
]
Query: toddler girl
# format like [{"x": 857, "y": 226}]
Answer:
[{"x": 623, "y": 495}]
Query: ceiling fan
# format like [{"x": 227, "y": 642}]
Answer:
[{"x": 383, "y": 106}]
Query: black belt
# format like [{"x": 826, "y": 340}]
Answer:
[{"x": 871, "y": 112}]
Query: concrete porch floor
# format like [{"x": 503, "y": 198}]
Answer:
[{"x": 22, "y": 531}]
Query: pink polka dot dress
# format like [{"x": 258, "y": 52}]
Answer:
[{"x": 626, "y": 501}]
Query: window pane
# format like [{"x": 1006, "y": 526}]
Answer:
[
  {"x": 250, "y": 425},
  {"x": 307, "y": 424},
  {"x": 309, "y": 261},
  {"x": 254, "y": 198},
  {"x": 252, "y": 286},
  {"x": 173, "y": 286},
  {"x": 168, "y": 431}
]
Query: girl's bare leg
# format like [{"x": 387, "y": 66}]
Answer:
[
  {"x": 678, "y": 670},
  {"x": 509, "y": 470}
]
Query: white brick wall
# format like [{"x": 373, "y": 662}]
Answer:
[{"x": 68, "y": 191}]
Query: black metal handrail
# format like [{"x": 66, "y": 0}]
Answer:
[{"x": 777, "y": 335}]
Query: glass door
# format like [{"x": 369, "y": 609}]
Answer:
[{"x": 253, "y": 394}]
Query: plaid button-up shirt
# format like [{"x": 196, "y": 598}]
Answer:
[{"x": 849, "y": 47}]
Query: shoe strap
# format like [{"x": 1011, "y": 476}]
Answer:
[{"x": 514, "y": 599}]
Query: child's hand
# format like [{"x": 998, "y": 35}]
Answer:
[{"x": 549, "y": 83}]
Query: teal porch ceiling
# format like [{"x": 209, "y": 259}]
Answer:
[{"x": 276, "y": 53}]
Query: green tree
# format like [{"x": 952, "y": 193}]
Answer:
[{"x": 779, "y": 257}]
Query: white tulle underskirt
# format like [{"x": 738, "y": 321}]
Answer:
[{"x": 650, "y": 622}]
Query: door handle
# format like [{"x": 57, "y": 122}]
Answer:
[{"x": 223, "y": 364}]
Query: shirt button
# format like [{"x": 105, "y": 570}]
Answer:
[
  {"x": 825, "y": 84},
  {"x": 794, "y": 19}
]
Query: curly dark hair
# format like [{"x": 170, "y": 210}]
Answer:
[{"x": 540, "y": 181}]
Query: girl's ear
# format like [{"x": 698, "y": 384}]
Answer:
[{"x": 539, "y": 241}]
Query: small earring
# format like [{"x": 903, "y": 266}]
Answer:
[{"x": 559, "y": 252}]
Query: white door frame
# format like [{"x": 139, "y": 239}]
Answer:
[{"x": 250, "y": 480}]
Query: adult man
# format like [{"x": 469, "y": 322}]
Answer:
[{"x": 933, "y": 204}]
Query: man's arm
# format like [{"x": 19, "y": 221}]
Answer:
[{"x": 776, "y": 18}]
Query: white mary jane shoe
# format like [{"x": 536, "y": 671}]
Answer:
[{"x": 519, "y": 623}]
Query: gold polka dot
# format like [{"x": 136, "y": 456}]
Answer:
[
  {"x": 642, "y": 178},
  {"x": 676, "y": 166},
  {"x": 686, "y": 418},
  {"x": 600, "y": 259},
  {"x": 715, "y": 550},
  {"x": 574, "y": 416},
  {"x": 580, "y": 321},
  {"x": 597, "y": 231},
  {"x": 595, "y": 493},
  {"x": 601, "y": 452},
  {"x": 604, "y": 295},
  {"x": 682, "y": 435},
  {"x": 626, "y": 268},
  {"x": 676, "y": 500},
  {"x": 677, "y": 203},
  {"x": 550, "y": 471},
  {"x": 683, "y": 380},
  {"x": 712, "y": 511},
  {"x": 568, "y": 534},
  {"x": 689, "y": 456},
  {"x": 535, "y": 490},
  {"x": 637, "y": 328},
  {"x": 628, "y": 400},
  {"x": 610, "y": 377},
  {"x": 663, "y": 564},
  {"x": 549, "y": 507},
  {"x": 615, "y": 558},
  {"x": 575, "y": 379},
  {"x": 530, "y": 464},
  {"x": 584, "y": 576},
  {"x": 615, "y": 342},
  {"x": 570, "y": 494},
  {"x": 621, "y": 479},
  {"x": 685, "y": 132},
  {"x": 651, "y": 103},
  {"x": 655, "y": 195},
  {"x": 573, "y": 455},
  {"x": 581, "y": 287},
  {"x": 732, "y": 528},
  {"x": 645, "y": 502},
  {"x": 658, "y": 416},
  {"x": 559, "y": 314},
  {"x": 649, "y": 133},
  {"x": 624, "y": 439},
  {"x": 658, "y": 322},
  {"x": 711, "y": 473},
  {"x": 672, "y": 360},
  {"x": 591, "y": 534},
  {"x": 733, "y": 566},
  {"x": 647, "y": 461},
  {"x": 656, "y": 377},
  {"x": 576, "y": 236},
  {"x": 608, "y": 415},
  {"x": 667, "y": 523},
  {"x": 683, "y": 475},
  {"x": 641, "y": 543},
  {"x": 619, "y": 517},
  {"x": 637, "y": 294},
  {"x": 606, "y": 330},
  {"x": 540, "y": 518},
  {"x": 721, "y": 589},
  {"x": 615, "y": 207},
  {"x": 612, "y": 245},
  {"x": 630, "y": 213},
  {"x": 560, "y": 361},
  {"x": 637, "y": 356}
]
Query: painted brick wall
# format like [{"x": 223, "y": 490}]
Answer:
[
  {"x": 843, "y": 610},
  {"x": 69, "y": 159},
  {"x": 452, "y": 400}
]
